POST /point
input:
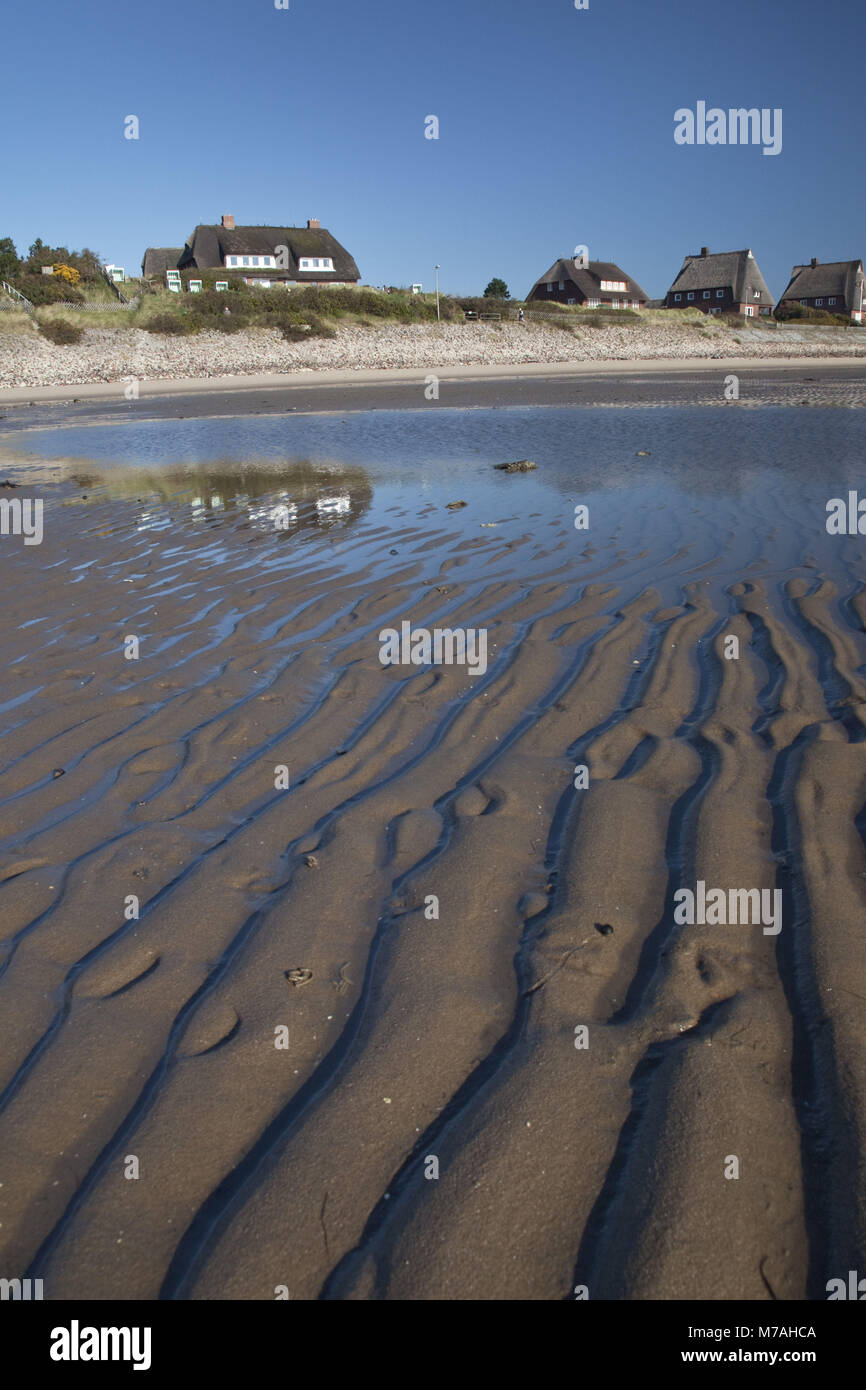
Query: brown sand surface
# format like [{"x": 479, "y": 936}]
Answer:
[{"x": 419, "y": 1038}]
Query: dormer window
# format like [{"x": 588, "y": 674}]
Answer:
[
  {"x": 615, "y": 285},
  {"x": 316, "y": 263},
  {"x": 231, "y": 261}
]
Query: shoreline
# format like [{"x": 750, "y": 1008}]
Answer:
[
  {"x": 674, "y": 381},
  {"x": 117, "y": 363},
  {"x": 370, "y": 376}
]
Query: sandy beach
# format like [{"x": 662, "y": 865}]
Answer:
[{"x": 337, "y": 1023}]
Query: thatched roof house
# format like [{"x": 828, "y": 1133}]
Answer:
[
  {"x": 300, "y": 255},
  {"x": 592, "y": 283},
  {"x": 260, "y": 255},
  {"x": 728, "y": 282},
  {"x": 159, "y": 259},
  {"x": 835, "y": 286}
]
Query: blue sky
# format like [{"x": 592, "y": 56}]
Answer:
[{"x": 556, "y": 129}]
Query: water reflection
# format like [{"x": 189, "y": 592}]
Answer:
[{"x": 281, "y": 497}]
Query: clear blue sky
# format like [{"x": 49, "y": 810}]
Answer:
[{"x": 556, "y": 128}]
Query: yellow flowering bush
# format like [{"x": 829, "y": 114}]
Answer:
[{"x": 67, "y": 273}]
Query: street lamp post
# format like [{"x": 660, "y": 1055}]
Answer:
[{"x": 438, "y": 315}]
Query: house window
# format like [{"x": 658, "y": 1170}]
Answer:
[
  {"x": 550, "y": 288},
  {"x": 720, "y": 294},
  {"x": 246, "y": 260},
  {"x": 690, "y": 294},
  {"x": 756, "y": 294},
  {"x": 831, "y": 301},
  {"x": 678, "y": 297},
  {"x": 315, "y": 263},
  {"x": 571, "y": 301},
  {"x": 818, "y": 301},
  {"x": 706, "y": 294},
  {"x": 593, "y": 303},
  {"x": 715, "y": 310},
  {"x": 562, "y": 284},
  {"x": 749, "y": 311},
  {"x": 619, "y": 285},
  {"x": 804, "y": 302}
]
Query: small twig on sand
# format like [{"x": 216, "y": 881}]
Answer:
[{"x": 538, "y": 983}]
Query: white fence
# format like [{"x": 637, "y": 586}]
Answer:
[
  {"x": 94, "y": 308},
  {"x": 10, "y": 298},
  {"x": 14, "y": 295}
]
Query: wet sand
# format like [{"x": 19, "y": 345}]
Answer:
[
  {"x": 418, "y": 1037},
  {"x": 699, "y": 382}
]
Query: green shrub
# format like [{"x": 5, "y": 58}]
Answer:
[
  {"x": 547, "y": 306},
  {"x": 319, "y": 328},
  {"x": 45, "y": 289},
  {"x": 170, "y": 323},
  {"x": 292, "y": 332},
  {"x": 215, "y": 323},
  {"x": 61, "y": 332},
  {"x": 477, "y": 304},
  {"x": 803, "y": 313},
  {"x": 295, "y": 330}
]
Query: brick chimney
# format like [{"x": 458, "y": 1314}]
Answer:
[
  {"x": 705, "y": 251},
  {"x": 313, "y": 224},
  {"x": 228, "y": 222},
  {"x": 814, "y": 262}
]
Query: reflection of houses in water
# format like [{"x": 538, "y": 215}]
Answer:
[
  {"x": 286, "y": 513},
  {"x": 280, "y": 497}
]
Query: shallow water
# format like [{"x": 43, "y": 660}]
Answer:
[{"x": 715, "y": 491}]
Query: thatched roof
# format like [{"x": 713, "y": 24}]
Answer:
[
  {"x": 209, "y": 245},
  {"x": 588, "y": 278},
  {"x": 159, "y": 259},
  {"x": 734, "y": 270},
  {"x": 823, "y": 281}
]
